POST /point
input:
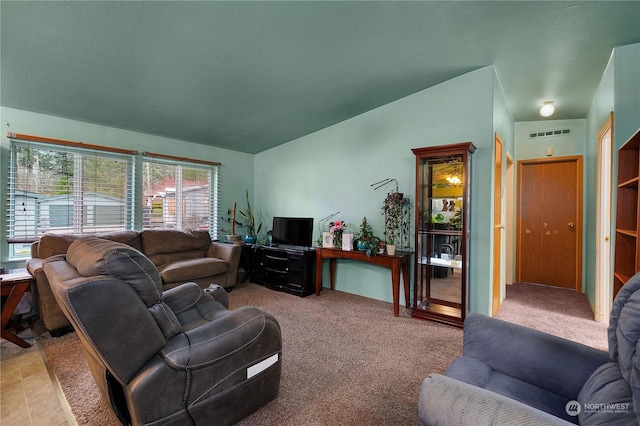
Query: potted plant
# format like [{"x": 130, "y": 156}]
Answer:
[
  {"x": 456, "y": 220},
  {"x": 231, "y": 218},
  {"x": 366, "y": 240},
  {"x": 250, "y": 222},
  {"x": 392, "y": 209}
]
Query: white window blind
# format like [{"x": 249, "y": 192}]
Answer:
[
  {"x": 65, "y": 188},
  {"x": 179, "y": 194}
]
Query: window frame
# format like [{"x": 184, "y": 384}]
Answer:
[
  {"x": 212, "y": 168},
  {"x": 134, "y": 183}
]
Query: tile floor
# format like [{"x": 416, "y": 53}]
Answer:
[{"x": 29, "y": 392}]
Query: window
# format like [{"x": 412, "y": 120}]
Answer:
[
  {"x": 178, "y": 195},
  {"x": 68, "y": 187},
  {"x": 62, "y": 189}
]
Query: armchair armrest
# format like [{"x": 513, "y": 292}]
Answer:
[
  {"x": 209, "y": 343},
  {"x": 446, "y": 401},
  {"x": 544, "y": 360},
  {"x": 186, "y": 295},
  {"x": 182, "y": 297}
]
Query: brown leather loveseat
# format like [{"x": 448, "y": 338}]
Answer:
[{"x": 179, "y": 256}]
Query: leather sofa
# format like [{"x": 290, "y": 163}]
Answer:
[
  {"x": 180, "y": 256},
  {"x": 510, "y": 374},
  {"x": 172, "y": 357}
]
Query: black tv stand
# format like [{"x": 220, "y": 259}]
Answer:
[{"x": 291, "y": 269}]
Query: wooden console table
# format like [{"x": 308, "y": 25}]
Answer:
[
  {"x": 398, "y": 262},
  {"x": 13, "y": 285}
]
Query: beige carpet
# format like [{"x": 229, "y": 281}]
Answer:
[
  {"x": 346, "y": 360},
  {"x": 556, "y": 311}
]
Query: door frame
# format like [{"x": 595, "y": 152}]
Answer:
[
  {"x": 604, "y": 179},
  {"x": 498, "y": 226},
  {"x": 578, "y": 159},
  {"x": 509, "y": 230}
]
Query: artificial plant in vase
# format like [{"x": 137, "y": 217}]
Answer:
[
  {"x": 250, "y": 222},
  {"x": 366, "y": 240}
]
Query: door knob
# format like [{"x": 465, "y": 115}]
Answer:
[
  {"x": 572, "y": 225},
  {"x": 499, "y": 226}
]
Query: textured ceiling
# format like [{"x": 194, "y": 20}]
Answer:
[{"x": 248, "y": 76}]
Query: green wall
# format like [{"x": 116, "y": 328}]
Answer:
[
  {"x": 333, "y": 169},
  {"x": 502, "y": 125},
  {"x": 601, "y": 106},
  {"x": 236, "y": 172},
  {"x": 626, "y": 92}
]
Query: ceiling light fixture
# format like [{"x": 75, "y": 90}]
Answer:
[
  {"x": 454, "y": 179},
  {"x": 547, "y": 109}
]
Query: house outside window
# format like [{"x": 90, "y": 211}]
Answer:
[{"x": 178, "y": 195}]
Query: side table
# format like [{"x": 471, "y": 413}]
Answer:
[{"x": 13, "y": 285}]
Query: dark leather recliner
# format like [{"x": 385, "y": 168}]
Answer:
[{"x": 177, "y": 357}]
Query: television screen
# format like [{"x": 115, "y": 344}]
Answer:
[{"x": 294, "y": 231}]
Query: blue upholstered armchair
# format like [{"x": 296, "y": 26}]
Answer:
[{"x": 512, "y": 375}]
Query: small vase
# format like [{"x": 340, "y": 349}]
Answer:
[
  {"x": 250, "y": 239},
  {"x": 337, "y": 239},
  {"x": 391, "y": 249}
]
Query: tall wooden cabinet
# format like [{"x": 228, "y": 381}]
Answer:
[
  {"x": 627, "y": 245},
  {"x": 441, "y": 275}
]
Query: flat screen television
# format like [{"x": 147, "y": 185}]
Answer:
[{"x": 294, "y": 231}]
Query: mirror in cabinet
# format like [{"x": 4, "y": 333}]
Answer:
[{"x": 441, "y": 279}]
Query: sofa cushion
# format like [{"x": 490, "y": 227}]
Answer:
[
  {"x": 191, "y": 269},
  {"x": 54, "y": 244},
  {"x": 130, "y": 238},
  {"x": 163, "y": 241},
  {"x": 477, "y": 373},
  {"x": 606, "y": 398}
]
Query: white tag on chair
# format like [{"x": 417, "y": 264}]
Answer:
[{"x": 261, "y": 366}]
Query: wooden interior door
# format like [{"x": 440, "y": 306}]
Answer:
[
  {"x": 549, "y": 226},
  {"x": 498, "y": 226}
]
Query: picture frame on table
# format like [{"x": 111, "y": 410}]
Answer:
[
  {"x": 347, "y": 242},
  {"x": 327, "y": 240}
]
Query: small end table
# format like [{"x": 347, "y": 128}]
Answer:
[{"x": 14, "y": 285}]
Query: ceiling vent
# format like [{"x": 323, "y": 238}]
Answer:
[{"x": 547, "y": 133}]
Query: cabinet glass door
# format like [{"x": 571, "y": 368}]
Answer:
[{"x": 442, "y": 203}]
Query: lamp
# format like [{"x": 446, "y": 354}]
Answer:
[{"x": 547, "y": 109}]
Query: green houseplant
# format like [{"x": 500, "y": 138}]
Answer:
[
  {"x": 231, "y": 219},
  {"x": 392, "y": 209},
  {"x": 250, "y": 222},
  {"x": 366, "y": 240}
]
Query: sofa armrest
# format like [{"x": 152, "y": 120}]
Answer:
[
  {"x": 230, "y": 253},
  {"x": 549, "y": 362},
  {"x": 446, "y": 401},
  {"x": 33, "y": 265}
]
